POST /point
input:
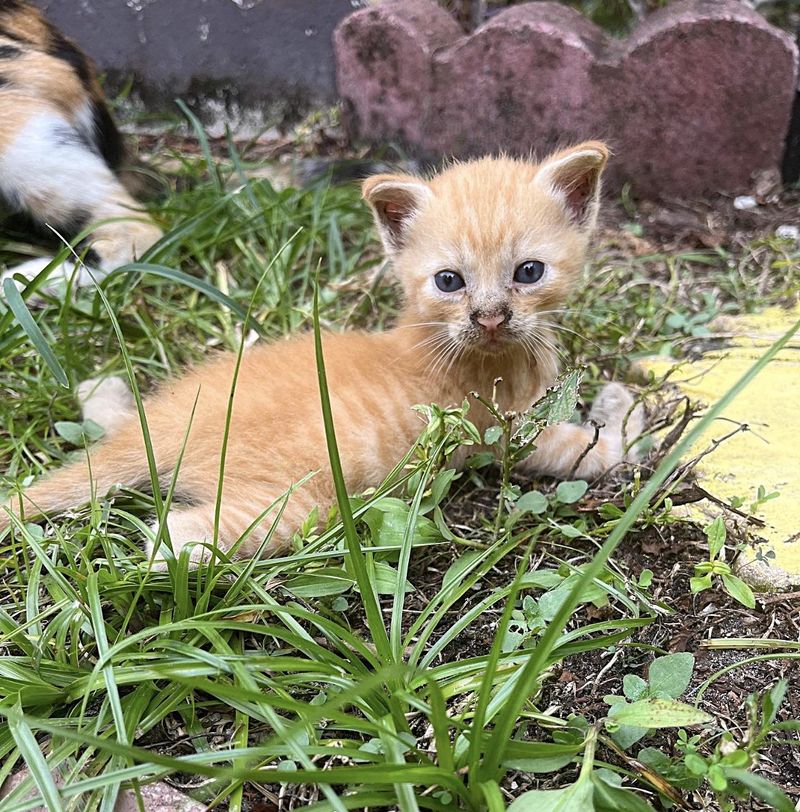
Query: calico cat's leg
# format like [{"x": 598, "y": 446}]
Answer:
[
  {"x": 244, "y": 506},
  {"x": 588, "y": 451},
  {"x": 106, "y": 401},
  {"x": 50, "y": 172}
]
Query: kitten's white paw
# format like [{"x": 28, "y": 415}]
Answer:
[
  {"x": 186, "y": 526},
  {"x": 611, "y": 405},
  {"x": 33, "y": 267},
  {"x": 107, "y": 401},
  {"x": 57, "y": 278}
]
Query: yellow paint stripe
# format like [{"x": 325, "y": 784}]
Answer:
[{"x": 769, "y": 454}]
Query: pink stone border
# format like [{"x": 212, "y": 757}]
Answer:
[{"x": 698, "y": 98}]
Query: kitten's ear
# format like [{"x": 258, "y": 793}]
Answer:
[
  {"x": 573, "y": 176},
  {"x": 394, "y": 200}
]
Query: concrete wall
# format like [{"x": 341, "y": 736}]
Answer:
[{"x": 273, "y": 57}]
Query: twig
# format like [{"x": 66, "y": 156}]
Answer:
[{"x": 586, "y": 450}]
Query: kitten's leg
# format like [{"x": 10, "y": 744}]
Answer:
[
  {"x": 588, "y": 451},
  {"x": 50, "y": 171},
  {"x": 242, "y": 507},
  {"x": 106, "y": 401}
]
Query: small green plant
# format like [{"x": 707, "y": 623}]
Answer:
[
  {"x": 661, "y": 514},
  {"x": 762, "y": 497},
  {"x": 727, "y": 769},
  {"x": 631, "y": 716},
  {"x": 514, "y": 436},
  {"x": 705, "y": 571},
  {"x": 728, "y": 766}
]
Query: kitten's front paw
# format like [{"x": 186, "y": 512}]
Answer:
[
  {"x": 611, "y": 406},
  {"x": 187, "y": 526},
  {"x": 56, "y": 280}
]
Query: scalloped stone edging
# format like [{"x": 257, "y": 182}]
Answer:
[{"x": 698, "y": 98}]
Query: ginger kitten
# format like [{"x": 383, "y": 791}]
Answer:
[
  {"x": 486, "y": 252},
  {"x": 60, "y": 151}
]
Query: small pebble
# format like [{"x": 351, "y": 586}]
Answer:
[
  {"x": 788, "y": 232},
  {"x": 744, "y": 202}
]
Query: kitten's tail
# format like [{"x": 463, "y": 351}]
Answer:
[{"x": 119, "y": 460}]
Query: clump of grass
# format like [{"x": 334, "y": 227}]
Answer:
[{"x": 324, "y": 676}]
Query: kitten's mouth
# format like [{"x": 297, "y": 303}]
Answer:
[{"x": 491, "y": 341}]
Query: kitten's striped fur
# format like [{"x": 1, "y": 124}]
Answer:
[
  {"x": 480, "y": 219},
  {"x": 60, "y": 151}
]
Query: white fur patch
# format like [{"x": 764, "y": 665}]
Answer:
[
  {"x": 106, "y": 401},
  {"x": 186, "y": 526},
  {"x": 58, "y": 276},
  {"x": 51, "y": 170}
]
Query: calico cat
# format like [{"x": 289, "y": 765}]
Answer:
[
  {"x": 486, "y": 253},
  {"x": 60, "y": 151}
]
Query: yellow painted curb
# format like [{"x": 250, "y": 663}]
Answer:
[{"x": 769, "y": 454}]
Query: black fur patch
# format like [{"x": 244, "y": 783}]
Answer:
[
  {"x": 107, "y": 137},
  {"x": 92, "y": 258},
  {"x": 10, "y": 6},
  {"x": 61, "y": 48},
  {"x": 76, "y": 221},
  {"x": 4, "y": 82},
  {"x": 9, "y": 52},
  {"x": 25, "y": 224},
  {"x": 107, "y": 140}
]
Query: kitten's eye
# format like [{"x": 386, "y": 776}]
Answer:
[
  {"x": 529, "y": 272},
  {"x": 448, "y": 281}
]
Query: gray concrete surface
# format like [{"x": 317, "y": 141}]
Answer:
[{"x": 247, "y": 60}]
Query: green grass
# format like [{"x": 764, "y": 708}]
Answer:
[{"x": 330, "y": 670}]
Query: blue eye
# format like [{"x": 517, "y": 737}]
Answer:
[
  {"x": 448, "y": 281},
  {"x": 529, "y": 272}
]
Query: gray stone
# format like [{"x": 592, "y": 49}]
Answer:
[{"x": 156, "y": 797}]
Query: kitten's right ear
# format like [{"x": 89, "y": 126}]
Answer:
[
  {"x": 573, "y": 176},
  {"x": 394, "y": 199}
]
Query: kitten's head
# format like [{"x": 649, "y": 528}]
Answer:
[{"x": 488, "y": 249}]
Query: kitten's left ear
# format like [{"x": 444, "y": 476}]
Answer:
[
  {"x": 573, "y": 176},
  {"x": 395, "y": 199}
]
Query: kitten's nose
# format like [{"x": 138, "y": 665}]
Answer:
[{"x": 492, "y": 322}]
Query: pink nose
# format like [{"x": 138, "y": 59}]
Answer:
[{"x": 491, "y": 323}]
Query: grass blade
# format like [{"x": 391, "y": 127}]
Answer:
[
  {"x": 18, "y": 307},
  {"x": 368, "y": 593},
  {"x": 33, "y": 757},
  {"x": 195, "y": 282}
]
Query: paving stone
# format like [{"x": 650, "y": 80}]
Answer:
[
  {"x": 704, "y": 98},
  {"x": 769, "y": 455},
  {"x": 157, "y": 797},
  {"x": 697, "y": 98}
]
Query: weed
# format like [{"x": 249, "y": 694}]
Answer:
[{"x": 705, "y": 571}]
